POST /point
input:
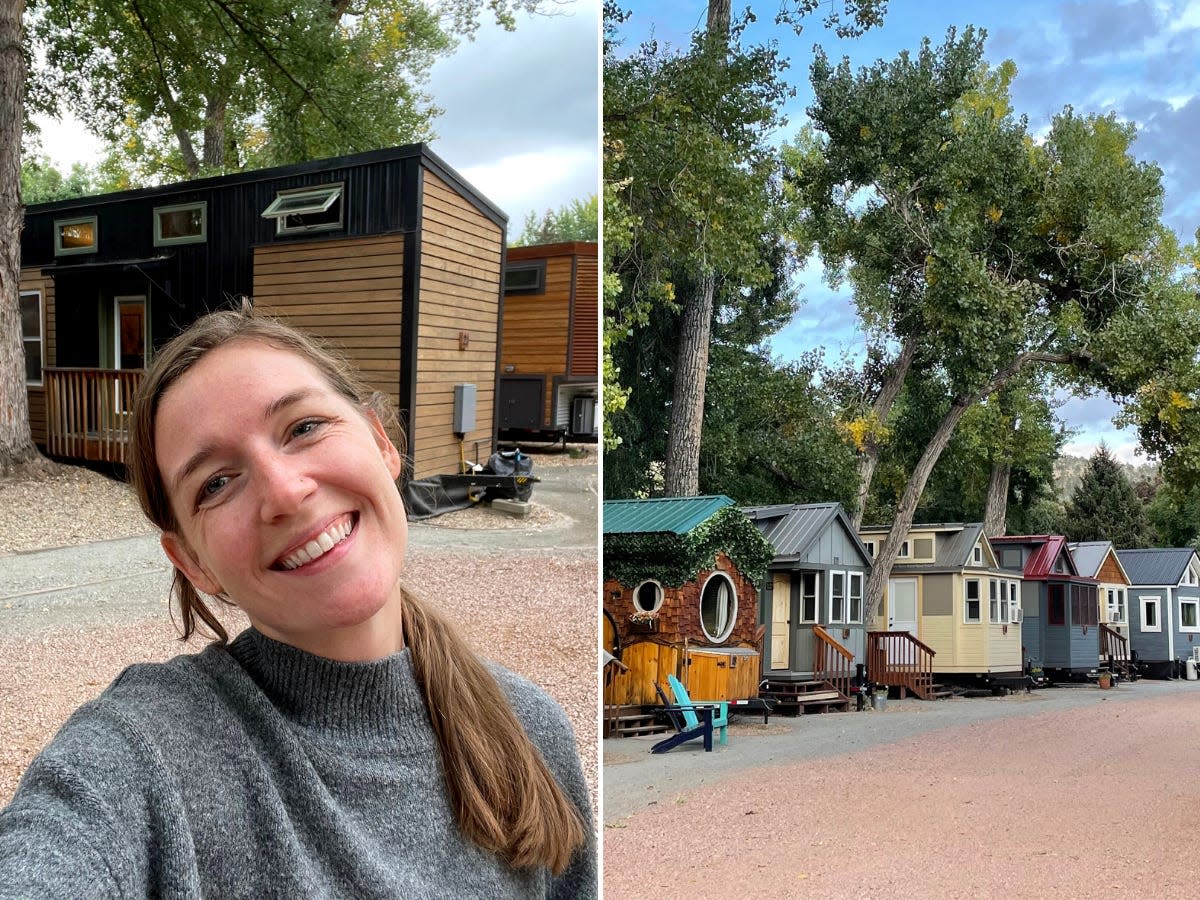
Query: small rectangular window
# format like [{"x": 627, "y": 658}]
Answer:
[
  {"x": 306, "y": 209},
  {"x": 1150, "y": 620},
  {"x": 856, "y": 597},
  {"x": 1015, "y": 613},
  {"x": 977, "y": 556},
  {"x": 903, "y": 554},
  {"x": 837, "y": 598},
  {"x": 1010, "y": 558},
  {"x": 75, "y": 236},
  {"x": 923, "y": 548},
  {"x": 870, "y": 545},
  {"x": 525, "y": 278},
  {"x": 971, "y": 603},
  {"x": 1188, "y": 610},
  {"x": 1056, "y": 605},
  {"x": 31, "y": 335},
  {"x": 808, "y": 597},
  {"x": 183, "y": 223}
]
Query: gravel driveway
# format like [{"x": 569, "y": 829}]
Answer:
[
  {"x": 1063, "y": 793},
  {"x": 71, "y": 618}
]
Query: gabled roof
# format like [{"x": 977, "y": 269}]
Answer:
[
  {"x": 1089, "y": 556},
  {"x": 676, "y": 515},
  {"x": 953, "y": 552},
  {"x": 1156, "y": 566},
  {"x": 1049, "y": 548},
  {"x": 793, "y": 528}
]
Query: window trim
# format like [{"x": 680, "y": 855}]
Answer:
[
  {"x": 851, "y": 619},
  {"x": 333, "y": 192},
  {"x": 1193, "y": 601},
  {"x": 904, "y": 551},
  {"x": 816, "y": 598},
  {"x": 845, "y": 595},
  {"x": 658, "y": 601},
  {"x": 1144, "y": 602},
  {"x": 870, "y": 548},
  {"x": 733, "y": 607},
  {"x": 160, "y": 241},
  {"x": 1016, "y": 612},
  {"x": 41, "y": 338},
  {"x": 533, "y": 265},
  {"x": 997, "y": 601},
  {"x": 59, "y": 224},
  {"x": 977, "y": 554},
  {"x": 967, "y": 620}
]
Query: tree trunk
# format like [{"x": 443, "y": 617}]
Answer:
[
  {"x": 880, "y": 410},
  {"x": 719, "y": 18},
  {"x": 214, "y": 134},
  {"x": 995, "y": 513},
  {"x": 16, "y": 440},
  {"x": 681, "y": 472}
]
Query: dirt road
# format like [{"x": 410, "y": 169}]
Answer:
[{"x": 1073, "y": 793}]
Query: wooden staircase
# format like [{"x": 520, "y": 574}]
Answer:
[
  {"x": 1114, "y": 654},
  {"x": 896, "y": 659},
  {"x": 795, "y": 698}
]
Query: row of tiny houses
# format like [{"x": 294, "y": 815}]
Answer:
[
  {"x": 389, "y": 256},
  {"x": 680, "y": 598}
]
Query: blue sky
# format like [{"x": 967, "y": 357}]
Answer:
[
  {"x": 521, "y": 120},
  {"x": 1138, "y": 59}
]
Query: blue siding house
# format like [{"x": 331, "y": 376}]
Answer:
[{"x": 1164, "y": 607}]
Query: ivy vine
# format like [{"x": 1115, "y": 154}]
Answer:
[{"x": 674, "y": 559}]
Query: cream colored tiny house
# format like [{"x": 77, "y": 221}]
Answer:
[{"x": 947, "y": 591}]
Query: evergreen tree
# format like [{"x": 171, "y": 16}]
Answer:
[{"x": 1105, "y": 507}]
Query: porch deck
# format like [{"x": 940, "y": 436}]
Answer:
[{"x": 88, "y": 412}]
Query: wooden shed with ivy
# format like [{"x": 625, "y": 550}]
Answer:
[{"x": 680, "y": 597}]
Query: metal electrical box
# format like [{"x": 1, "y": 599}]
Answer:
[
  {"x": 464, "y": 408},
  {"x": 583, "y": 415}
]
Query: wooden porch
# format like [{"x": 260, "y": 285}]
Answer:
[
  {"x": 829, "y": 690},
  {"x": 88, "y": 412},
  {"x": 897, "y": 659},
  {"x": 1114, "y": 653}
]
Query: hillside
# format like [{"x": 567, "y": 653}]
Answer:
[{"x": 1068, "y": 470}]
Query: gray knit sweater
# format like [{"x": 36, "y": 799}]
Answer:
[{"x": 259, "y": 770}]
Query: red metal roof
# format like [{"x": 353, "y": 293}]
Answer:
[{"x": 1040, "y": 564}]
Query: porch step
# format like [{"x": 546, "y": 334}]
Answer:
[
  {"x": 633, "y": 720},
  {"x": 805, "y": 697}
]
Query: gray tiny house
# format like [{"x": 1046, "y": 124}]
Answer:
[
  {"x": 813, "y": 591},
  {"x": 1164, "y": 607}
]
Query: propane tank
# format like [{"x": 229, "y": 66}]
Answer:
[{"x": 1191, "y": 669}]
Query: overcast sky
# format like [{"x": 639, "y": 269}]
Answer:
[
  {"x": 1138, "y": 59},
  {"x": 521, "y": 112}
]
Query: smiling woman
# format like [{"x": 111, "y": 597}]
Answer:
[{"x": 348, "y": 743}]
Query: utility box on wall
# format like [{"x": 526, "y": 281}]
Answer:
[{"x": 464, "y": 408}]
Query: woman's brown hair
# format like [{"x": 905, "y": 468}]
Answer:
[{"x": 503, "y": 796}]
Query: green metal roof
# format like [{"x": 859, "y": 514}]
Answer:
[{"x": 678, "y": 515}]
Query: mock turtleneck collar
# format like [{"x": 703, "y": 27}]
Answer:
[{"x": 361, "y": 700}]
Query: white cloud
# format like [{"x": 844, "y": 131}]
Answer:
[{"x": 535, "y": 181}]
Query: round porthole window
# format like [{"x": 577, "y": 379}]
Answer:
[
  {"x": 718, "y": 607},
  {"x": 648, "y": 597}
]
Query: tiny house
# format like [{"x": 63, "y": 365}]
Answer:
[
  {"x": 548, "y": 384},
  {"x": 680, "y": 597},
  {"x": 1099, "y": 560},
  {"x": 812, "y": 596},
  {"x": 1061, "y": 608},
  {"x": 947, "y": 590},
  {"x": 1164, "y": 607},
  {"x": 390, "y": 256}
]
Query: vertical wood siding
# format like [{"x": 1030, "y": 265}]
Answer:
[
  {"x": 459, "y": 292},
  {"x": 585, "y": 331}
]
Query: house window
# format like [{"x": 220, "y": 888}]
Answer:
[
  {"x": 75, "y": 236},
  {"x": 1056, "y": 605},
  {"x": 971, "y": 602},
  {"x": 837, "y": 598},
  {"x": 870, "y": 545},
  {"x": 1190, "y": 577},
  {"x": 808, "y": 597},
  {"x": 1189, "y": 614},
  {"x": 903, "y": 554},
  {"x": 525, "y": 278},
  {"x": 1116, "y": 605},
  {"x": 997, "y": 601},
  {"x": 183, "y": 223},
  {"x": 1150, "y": 619},
  {"x": 923, "y": 548},
  {"x": 856, "y": 598},
  {"x": 306, "y": 209},
  {"x": 718, "y": 607},
  {"x": 1015, "y": 613},
  {"x": 1010, "y": 558},
  {"x": 977, "y": 554},
  {"x": 648, "y": 596},
  {"x": 31, "y": 335},
  {"x": 1085, "y": 609}
]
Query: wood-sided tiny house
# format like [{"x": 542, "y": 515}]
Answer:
[
  {"x": 680, "y": 597},
  {"x": 961, "y": 610},
  {"x": 1061, "y": 627},
  {"x": 1099, "y": 560},
  {"x": 1164, "y": 607},
  {"x": 812, "y": 597},
  {"x": 389, "y": 255},
  {"x": 548, "y": 383}
]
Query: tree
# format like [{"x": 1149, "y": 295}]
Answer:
[
  {"x": 41, "y": 182},
  {"x": 16, "y": 439},
  {"x": 185, "y": 87},
  {"x": 578, "y": 220},
  {"x": 1105, "y": 507},
  {"x": 995, "y": 252}
]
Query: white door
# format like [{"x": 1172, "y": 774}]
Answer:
[
  {"x": 902, "y": 616},
  {"x": 781, "y": 625}
]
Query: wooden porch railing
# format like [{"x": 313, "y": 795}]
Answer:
[
  {"x": 1114, "y": 650},
  {"x": 88, "y": 410},
  {"x": 831, "y": 661},
  {"x": 897, "y": 659}
]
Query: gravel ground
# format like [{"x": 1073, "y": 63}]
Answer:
[
  {"x": 535, "y": 613},
  {"x": 1092, "y": 798}
]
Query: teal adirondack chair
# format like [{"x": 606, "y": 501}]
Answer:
[{"x": 720, "y": 715}]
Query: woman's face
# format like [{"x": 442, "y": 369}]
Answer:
[{"x": 285, "y": 496}]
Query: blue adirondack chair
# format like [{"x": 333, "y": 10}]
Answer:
[{"x": 720, "y": 717}]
